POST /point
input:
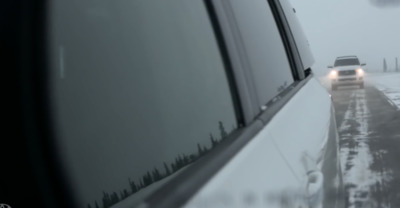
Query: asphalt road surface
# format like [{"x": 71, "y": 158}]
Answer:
[{"x": 369, "y": 131}]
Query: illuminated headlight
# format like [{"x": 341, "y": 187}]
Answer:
[
  {"x": 360, "y": 71},
  {"x": 333, "y": 73}
]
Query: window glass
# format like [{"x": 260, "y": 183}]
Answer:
[
  {"x": 299, "y": 36},
  {"x": 264, "y": 47},
  {"x": 347, "y": 62},
  {"x": 139, "y": 92}
]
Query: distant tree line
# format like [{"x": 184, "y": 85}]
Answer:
[
  {"x": 155, "y": 175},
  {"x": 385, "y": 68}
]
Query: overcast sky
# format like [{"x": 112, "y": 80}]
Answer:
[{"x": 350, "y": 27}]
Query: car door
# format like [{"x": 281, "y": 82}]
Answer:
[
  {"x": 327, "y": 158},
  {"x": 158, "y": 104},
  {"x": 289, "y": 162}
]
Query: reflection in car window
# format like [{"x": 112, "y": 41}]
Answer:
[
  {"x": 263, "y": 44},
  {"x": 299, "y": 36},
  {"x": 139, "y": 91},
  {"x": 347, "y": 62}
]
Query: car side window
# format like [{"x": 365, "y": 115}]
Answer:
[
  {"x": 299, "y": 36},
  {"x": 139, "y": 93},
  {"x": 265, "y": 50}
]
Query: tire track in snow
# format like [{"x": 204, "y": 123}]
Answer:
[{"x": 355, "y": 154}]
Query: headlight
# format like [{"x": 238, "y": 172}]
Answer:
[
  {"x": 333, "y": 73},
  {"x": 360, "y": 71}
]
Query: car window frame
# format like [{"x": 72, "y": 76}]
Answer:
[
  {"x": 300, "y": 47},
  {"x": 288, "y": 40},
  {"x": 300, "y": 74},
  {"x": 182, "y": 188},
  {"x": 240, "y": 61}
]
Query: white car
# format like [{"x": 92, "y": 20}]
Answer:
[
  {"x": 346, "y": 71},
  {"x": 166, "y": 104}
]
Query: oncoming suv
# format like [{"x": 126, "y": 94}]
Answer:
[
  {"x": 346, "y": 71},
  {"x": 179, "y": 103}
]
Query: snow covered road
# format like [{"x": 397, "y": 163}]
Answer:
[
  {"x": 368, "y": 124},
  {"x": 356, "y": 157}
]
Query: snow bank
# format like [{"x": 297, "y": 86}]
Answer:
[{"x": 389, "y": 85}]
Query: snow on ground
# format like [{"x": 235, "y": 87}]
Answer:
[
  {"x": 356, "y": 157},
  {"x": 388, "y": 84}
]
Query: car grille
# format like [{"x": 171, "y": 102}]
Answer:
[
  {"x": 347, "y": 72},
  {"x": 348, "y": 79}
]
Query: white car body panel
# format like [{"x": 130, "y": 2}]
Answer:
[
  {"x": 291, "y": 127},
  {"x": 278, "y": 154}
]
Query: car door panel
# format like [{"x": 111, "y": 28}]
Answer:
[
  {"x": 258, "y": 176},
  {"x": 308, "y": 137},
  {"x": 302, "y": 134},
  {"x": 278, "y": 162}
]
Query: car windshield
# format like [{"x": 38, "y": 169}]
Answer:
[{"x": 346, "y": 62}]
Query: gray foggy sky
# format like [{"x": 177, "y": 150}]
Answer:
[{"x": 357, "y": 27}]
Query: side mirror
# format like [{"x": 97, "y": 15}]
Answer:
[
  {"x": 363, "y": 64},
  {"x": 330, "y": 67}
]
